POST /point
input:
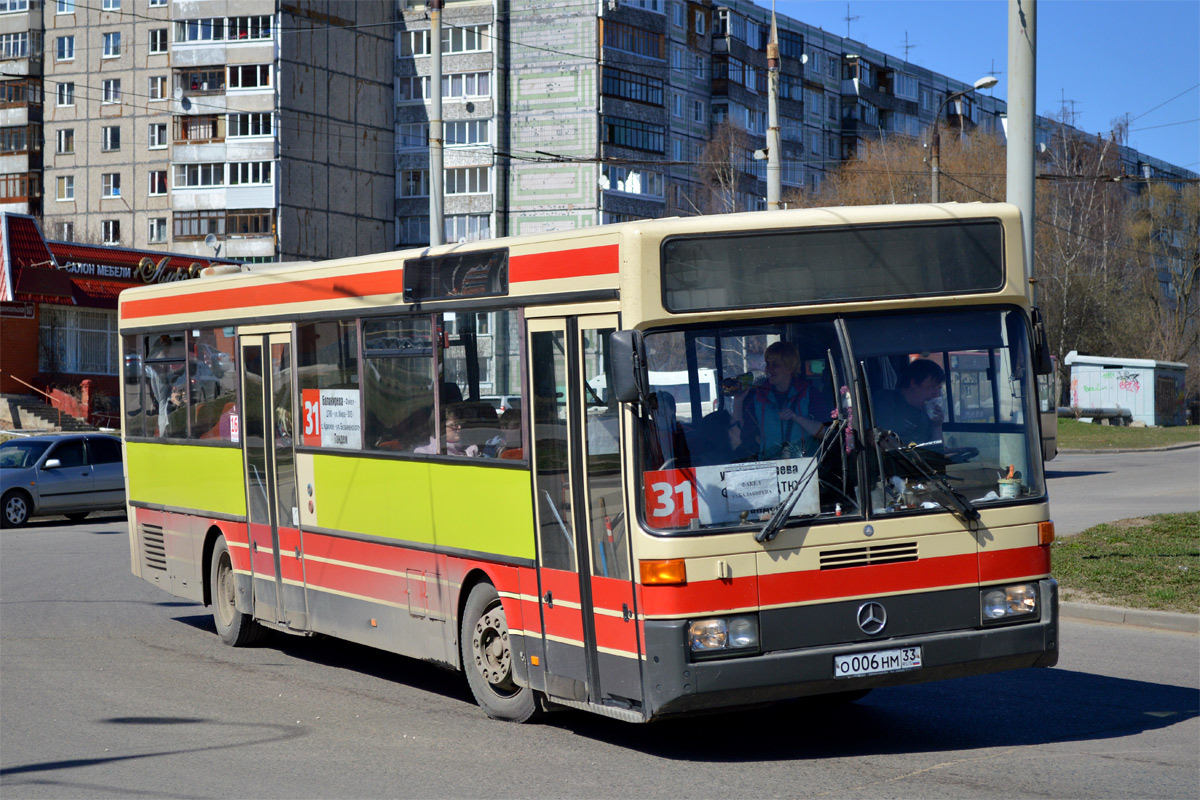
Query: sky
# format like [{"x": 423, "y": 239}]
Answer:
[{"x": 1105, "y": 58}]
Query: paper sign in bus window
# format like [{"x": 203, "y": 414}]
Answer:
[
  {"x": 332, "y": 418},
  {"x": 723, "y": 494}
]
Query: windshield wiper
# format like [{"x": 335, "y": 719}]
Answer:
[
  {"x": 782, "y": 511},
  {"x": 961, "y": 506}
]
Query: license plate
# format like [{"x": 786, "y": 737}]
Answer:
[{"x": 877, "y": 663}]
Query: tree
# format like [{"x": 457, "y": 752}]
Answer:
[{"x": 722, "y": 168}]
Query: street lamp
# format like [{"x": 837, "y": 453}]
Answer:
[{"x": 985, "y": 82}]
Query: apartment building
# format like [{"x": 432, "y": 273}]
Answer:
[
  {"x": 21, "y": 106},
  {"x": 244, "y": 130}
]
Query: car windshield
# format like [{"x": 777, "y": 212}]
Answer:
[
  {"x": 19, "y": 453},
  {"x": 862, "y": 416}
]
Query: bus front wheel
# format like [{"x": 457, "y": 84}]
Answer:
[
  {"x": 487, "y": 658},
  {"x": 235, "y": 628}
]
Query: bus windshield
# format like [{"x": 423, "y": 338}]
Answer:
[{"x": 859, "y": 415}]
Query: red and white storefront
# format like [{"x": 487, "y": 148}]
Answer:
[{"x": 58, "y": 306}]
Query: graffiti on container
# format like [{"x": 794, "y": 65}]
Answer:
[{"x": 1128, "y": 381}]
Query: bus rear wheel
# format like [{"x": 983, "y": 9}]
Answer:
[
  {"x": 235, "y": 628},
  {"x": 487, "y": 658}
]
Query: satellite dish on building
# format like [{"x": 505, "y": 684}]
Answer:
[
  {"x": 178, "y": 93},
  {"x": 211, "y": 241}
]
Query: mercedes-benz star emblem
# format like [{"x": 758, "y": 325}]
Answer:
[{"x": 872, "y": 617}]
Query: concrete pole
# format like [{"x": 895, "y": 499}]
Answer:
[
  {"x": 774, "y": 148},
  {"x": 1022, "y": 104},
  {"x": 437, "y": 159}
]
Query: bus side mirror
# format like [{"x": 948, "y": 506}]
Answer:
[
  {"x": 1042, "y": 365},
  {"x": 629, "y": 372}
]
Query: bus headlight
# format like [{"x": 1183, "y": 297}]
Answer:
[
  {"x": 717, "y": 636},
  {"x": 1001, "y": 604}
]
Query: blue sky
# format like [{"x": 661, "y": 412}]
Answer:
[{"x": 1111, "y": 57}]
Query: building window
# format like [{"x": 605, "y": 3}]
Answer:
[
  {"x": 412, "y": 135},
  {"x": 64, "y": 7},
  {"x": 457, "y": 39},
  {"x": 697, "y": 111},
  {"x": 77, "y": 341},
  {"x": 110, "y": 231},
  {"x": 250, "y": 223},
  {"x": 111, "y": 5},
  {"x": 206, "y": 128},
  {"x": 9, "y": 6},
  {"x": 20, "y": 93},
  {"x": 201, "y": 81},
  {"x": 468, "y": 131},
  {"x": 14, "y": 45},
  {"x": 631, "y": 86},
  {"x": 64, "y": 48},
  {"x": 157, "y": 87},
  {"x": 255, "y": 124},
  {"x": 15, "y": 139},
  {"x": 157, "y": 3},
  {"x": 112, "y": 91},
  {"x": 158, "y": 41},
  {"x": 679, "y": 13},
  {"x": 413, "y": 230},
  {"x": 200, "y": 30},
  {"x": 244, "y": 29},
  {"x": 158, "y": 182},
  {"x": 112, "y": 44},
  {"x": 250, "y": 173},
  {"x": 65, "y": 141},
  {"x": 198, "y": 176},
  {"x": 66, "y": 231},
  {"x": 631, "y": 181},
  {"x": 414, "y": 183},
  {"x": 156, "y": 136},
  {"x": 634, "y": 134},
  {"x": 250, "y": 76},
  {"x": 157, "y": 233},
  {"x": 64, "y": 187},
  {"x": 467, "y": 84},
  {"x": 110, "y": 138},
  {"x": 677, "y": 105},
  {"x": 465, "y": 228},
  {"x": 633, "y": 39},
  {"x": 110, "y": 184},
  {"x": 198, "y": 224},
  {"x": 701, "y": 26},
  {"x": 468, "y": 180}
]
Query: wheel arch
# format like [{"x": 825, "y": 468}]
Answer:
[
  {"x": 474, "y": 577},
  {"x": 210, "y": 542}
]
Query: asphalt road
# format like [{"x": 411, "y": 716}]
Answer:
[
  {"x": 110, "y": 687},
  {"x": 1089, "y": 488}
]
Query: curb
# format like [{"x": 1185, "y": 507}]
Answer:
[
  {"x": 1161, "y": 620},
  {"x": 1076, "y": 451}
]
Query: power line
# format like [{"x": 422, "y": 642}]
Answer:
[{"x": 1163, "y": 103}]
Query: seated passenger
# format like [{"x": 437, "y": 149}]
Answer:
[
  {"x": 905, "y": 410},
  {"x": 719, "y": 440},
  {"x": 458, "y": 417}
]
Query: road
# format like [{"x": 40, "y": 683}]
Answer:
[
  {"x": 112, "y": 688},
  {"x": 1089, "y": 488}
]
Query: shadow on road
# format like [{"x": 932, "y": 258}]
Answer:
[
  {"x": 1052, "y": 474},
  {"x": 1026, "y": 707}
]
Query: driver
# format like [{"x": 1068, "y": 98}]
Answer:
[{"x": 907, "y": 409}]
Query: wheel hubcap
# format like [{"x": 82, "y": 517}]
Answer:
[
  {"x": 14, "y": 510},
  {"x": 493, "y": 656},
  {"x": 224, "y": 594}
]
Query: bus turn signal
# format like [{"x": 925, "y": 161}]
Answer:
[
  {"x": 667, "y": 572},
  {"x": 1046, "y": 532}
]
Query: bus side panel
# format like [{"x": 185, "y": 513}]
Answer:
[{"x": 179, "y": 476}]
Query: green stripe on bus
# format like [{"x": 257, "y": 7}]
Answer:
[
  {"x": 203, "y": 478},
  {"x": 464, "y": 506}
]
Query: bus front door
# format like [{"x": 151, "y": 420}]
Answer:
[
  {"x": 589, "y": 625},
  {"x": 273, "y": 515}
]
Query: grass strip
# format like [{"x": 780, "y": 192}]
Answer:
[
  {"x": 1145, "y": 562},
  {"x": 1076, "y": 435}
]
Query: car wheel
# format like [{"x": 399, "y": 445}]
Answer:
[
  {"x": 487, "y": 658},
  {"x": 76, "y": 516},
  {"x": 16, "y": 509},
  {"x": 235, "y": 628}
]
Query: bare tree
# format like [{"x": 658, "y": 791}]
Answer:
[{"x": 722, "y": 167}]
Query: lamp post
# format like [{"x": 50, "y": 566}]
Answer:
[{"x": 935, "y": 146}]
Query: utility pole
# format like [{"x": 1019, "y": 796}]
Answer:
[
  {"x": 774, "y": 148},
  {"x": 437, "y": 156},
  {"x": 1022, "y": 100}
]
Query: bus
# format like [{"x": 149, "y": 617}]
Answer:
[{"x": 821, "y": 533}]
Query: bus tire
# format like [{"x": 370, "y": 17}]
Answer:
[
  {"x": 487, "y": 658},
  {"x": 235, "y": 628},
  {"x": 16, "y": 509}
]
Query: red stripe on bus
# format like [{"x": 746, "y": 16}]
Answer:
[
  {"x": 563, "y": 585},
  {"x": 1019, "y": 562},
  {"x": 700, "y": 597},
  {"x": 615, "y": 633},
  {"x": 578, "y": 263},
  {"x": 611, "y": 593},
  {"x": 286, "y": 291}
]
